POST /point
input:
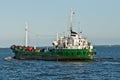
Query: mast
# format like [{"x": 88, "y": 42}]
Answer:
[
  {"x": 26, "y": 34},
  {"x": 57, "y": 36},
  {"x": 71, "y": 19}
]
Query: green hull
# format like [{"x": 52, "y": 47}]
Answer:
[{"x": 57, "y": 54}]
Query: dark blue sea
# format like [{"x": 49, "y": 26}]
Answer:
[{"x": 106, "y": 66}]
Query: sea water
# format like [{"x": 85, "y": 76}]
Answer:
[{"x": 106, "y": 66}]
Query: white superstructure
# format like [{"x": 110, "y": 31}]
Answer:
[{"x": 73, "y": 41}]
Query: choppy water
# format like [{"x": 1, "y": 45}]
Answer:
[{"x": 105, "y": 67}]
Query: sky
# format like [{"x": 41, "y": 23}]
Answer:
[{"x": 99, "y": 21}]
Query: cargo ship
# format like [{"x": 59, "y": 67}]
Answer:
[{"x": 71, "y": 47}]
